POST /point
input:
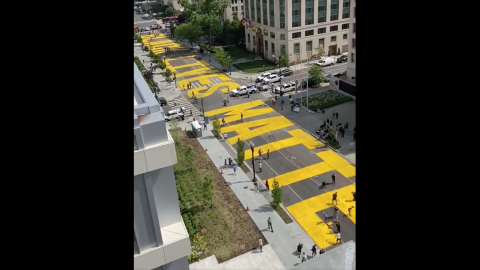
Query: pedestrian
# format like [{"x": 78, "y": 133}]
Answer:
[
  {"x": 335, "y": 211},
  {"x": 352, "y": 144},
  {"x": 260, "y": 245},
  {"x": 325, "y": 216},
  {"x": 282, "y": 102},
  {"x": 334, "y": 197},
  {"x": 333, "y": 114},
  {"x": 241, "y": 117},
  {"x": 338, "y": 226},
  {"x": 204, "y": 125},
  {"x": 314, "y": 251},
  {"x": 260, "y": 167},
  {"x": 260, "y": 153},
  {"x": 143, "y": 60},
  {"x": 333, "y": 178},
  {"x": 223, "y": 121},
  {"x": 324, "y": 185},
  {"x": 235, "y": 169},
  {"x": 273, "y": 101},
  {"x": 266, "y": 184},
  {"x": 350, "y": 211},
  {"x": 339, "y": 238},
  {"x": 336, "y": 115},
  {"x": 354, "y": 194},
  {"x": 304, "y": 257},
  {"x": 268, "y": 153},
  {"x": 225, "y": 164},
  {"x": 269, "y": 221},
  {"x": 248, "y": 94},
  {"x": 299, "y": 249}
]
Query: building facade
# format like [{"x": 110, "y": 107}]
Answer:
[
  {"x": 160, "y": 239},
  {"x": 235, "y": 10},
  {"x": 351, "y": 74},
  {"x": 297, "y": 27}
]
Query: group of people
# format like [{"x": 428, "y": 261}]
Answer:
[{"x": 314, "y": 251}]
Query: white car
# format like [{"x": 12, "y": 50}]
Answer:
[
  {"x": 147, "y": 28},
  {"x": 329, "y": 61},
  {"x": 263, "y": 76},
  {"x": 285, "y": 87},
  {"x": 175, "y": 114},
  {"x": 243, "y": 90},
  {"x": 272, "y": 78}
]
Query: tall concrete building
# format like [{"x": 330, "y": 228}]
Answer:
[
  {"x": 235, "y": 10},
  {"x": 160, "y": 239},
  {"x": 351, "y": 74},
  {"x": 297, "y": 27}
]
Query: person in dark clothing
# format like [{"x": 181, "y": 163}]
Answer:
[
  {"x": 338, "y": 226},
  {"x": 321, "y": 251},
  {"x": 333, "y": 179},
  {"x": 354, "y": 195},
  {"x": 336, "y": 115},
  {"x": 299, "y": 249},
  {"x": 314, "y": 251},
  {"x": 266, "y": 184},
  {"x": 324, "y": 185},
  {"x": 334, "y": 197}
]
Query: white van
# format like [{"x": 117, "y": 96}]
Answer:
[{"x": 329, "y": 61}]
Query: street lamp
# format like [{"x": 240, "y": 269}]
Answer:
[
  {"x": 230, "y": 64},
  {"x": 209, "y": 57},
  {"x": 252, "y": 147}
]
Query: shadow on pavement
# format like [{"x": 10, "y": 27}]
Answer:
[{"x": 266, "y": 208}]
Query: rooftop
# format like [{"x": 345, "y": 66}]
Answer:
[{"x": 144, "y": 101}]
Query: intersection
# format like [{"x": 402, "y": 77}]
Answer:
[{"x": 298, "y": 161}]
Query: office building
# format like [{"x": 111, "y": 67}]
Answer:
[
  {"x": 160, "y": 239},
  {"x": 297, "y": 27},
  {"x": 235, "y": 10},
  {"x": 351, "y": 45}
]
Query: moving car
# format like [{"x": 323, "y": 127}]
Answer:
[
  {"x": 342, "y": 59},
  {"x": 285, "y": 87},
  {"x": 262, "y": 76},
  {"x": 272, "y": 78},
  {"x": 286, "y": 72},
  {"x": 329, "y": 61},
  {"x": 243, "y": 90},
  {"x": 175, "y": 114},
  {"x": 147, "y": 28},
  {"x": 162, "y": 101}
]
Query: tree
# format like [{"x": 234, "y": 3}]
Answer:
[
  {"x": 174, "y": 130},
  {"x": 240, "y": 151},
  {"x": 217, "y": 127},
  {"x": 320, "y": 51},
  {"x": 284, "y": 60},
  {"x": 221, "y": 56},
  {"x": 276, "y": 193},
  {"x": 170, "y": 11},
  {"x": 316, "y": 74},
  {"x": 189, "y": 31},
  {"x": 168, "y": 73},
  {"x": 207, "y": 13},
  {"x": 207, "y": 190}
]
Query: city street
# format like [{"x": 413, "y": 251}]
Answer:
[{"x": 142, "y": 19}]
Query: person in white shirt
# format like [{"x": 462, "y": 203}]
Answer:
[
  {"x": 304, "y": 257},
  {"x": 351, "y": 145},
  {"x": 339, "y": 238}
]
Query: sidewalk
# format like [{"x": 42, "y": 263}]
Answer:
[{"x": 285, "y": 238}]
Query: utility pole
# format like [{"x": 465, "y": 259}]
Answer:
[{"x": 252, "y": 147}]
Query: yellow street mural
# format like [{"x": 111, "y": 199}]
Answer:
[{"x": 304, "y": 212}]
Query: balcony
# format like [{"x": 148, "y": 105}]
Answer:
[
  {"x": 154, "y": 157},
  {"x": 176, "y": 245}
]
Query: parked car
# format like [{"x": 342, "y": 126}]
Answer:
[
  {"x": 329, "y": 61},
  {"x": 263, "y": 87},
  {"x": 262, "y": 76},
  {"x": 147, "y": 28},
  {"x": 327, "y": 77},
  {"x": 286, "y": 72},
  {"x": 342, "y": 59},
  {"x": 175, "y": 114},
  {"x": 162, "y": 101},
  {"x": 285, "y": 87},
  {"x": 338, "y": 74},
  {"x": 243, "y": 90},
  {"x": 272, "y": 78}
]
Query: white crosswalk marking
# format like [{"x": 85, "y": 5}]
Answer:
[
  {"x": 267, "y": 94},
  {"x": 147, "y": 21},
  {"x": 183, "y": 102}
]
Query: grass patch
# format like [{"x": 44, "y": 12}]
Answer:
[
  {"x": 228, "y": 229},
  {"x": 254, "y": 66},
  {"x": 324, "y": 100},
  {"x": 237, "y": 53},
  {"x": 142, "y": 68},
  {"x": 286, "y": 218}
]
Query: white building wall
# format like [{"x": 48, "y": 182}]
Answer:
[{"x": 352, "y": 53}]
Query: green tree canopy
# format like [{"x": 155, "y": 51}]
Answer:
[
  {"x": 170, "y": 11},
  {"x": 189, "y": 31},
  {"x": 284, "y": 60},
  {"x": 316, "y": 74}
]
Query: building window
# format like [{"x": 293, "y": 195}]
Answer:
[
  {"x": 334, "y": 10},
  {"x": 259, "y": 12},
  {"x": 309, "y": 33},
  {"x": 296, "y": 13},
  {"x": 345, "y": 26},
  {"x": 321, "y": 42},
  {"x": 309, "y": 46},
  {"x": 352, "y": 57},
  {"x": 265, "y": 12},
  {"x": 282, "y": 14},
  {"x": 266, "y": 46},
  {"x": 346, "y": 9},
  {"x": 248, "y": 38},
  {"x": 272, "y": 13},
  {"x": 252, "y": 9},
  {"x": 272, "y": 35},
  {"x": 282, "y": 49},
  {"x": 241, "y": 7},
  {"x": 308, "y": 12},
  {"x": 322, "y": 15},
  {"x": 333, "y": 39},
  {"x": 345, "y": 36},
  {"x": 333, "y": 28},
  {"x": 321, "y": 30},
  {"x": 233, "y": 9},
  {"x": 235, "y": 1},
  {"x": 282, "y": 36},
  {"x": 296, "y": 48},
  {"x": 273, "y": 47},
  {"x": 297, "y": 35},
  {"x": 353, "y": 43},
  {"x": 354, "y": 27}
]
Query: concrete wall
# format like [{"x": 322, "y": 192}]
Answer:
[{"x": 351, "y": 73}]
